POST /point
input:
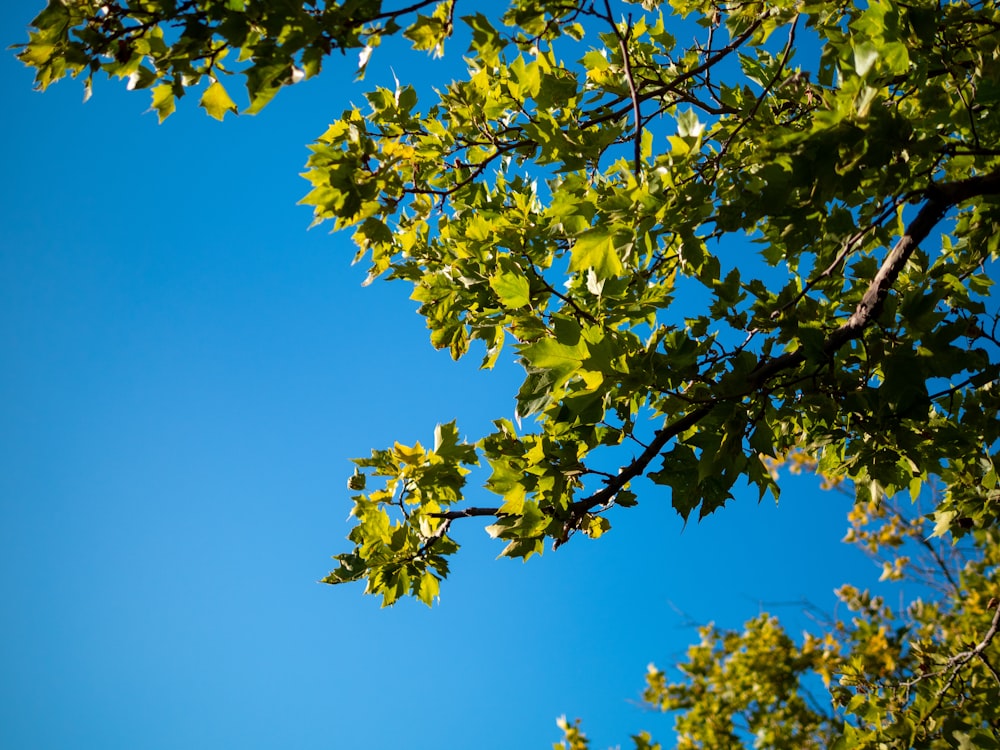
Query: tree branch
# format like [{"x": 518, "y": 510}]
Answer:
[
  {"x": 668, "y": 88},
  {"x": 633, "y": 93},
  {"x": 956, "y": 662},
  {"x": 841, "y": 256},
  {"x": 940, "y": 198},
  {"x": 789, "y": 45},
  {"x": 451, "y": 515}
]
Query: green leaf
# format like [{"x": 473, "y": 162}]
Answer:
[
  {"x": 512, "y": 289},
  {"x": 866, "y": 55},
  {"x": 163, "y": 100},
  {"x": 216, "y": 101},
  {"x": 896, "y": 57},
  {"x": 427, "y": 33},
  {"x": 486, "y": 40},
  {"x": 688, "y": 125},
  {"x": 595, "y": 250},
  {"x": 562, "y": 360},
  {"x": 597, "y": 526},
  {"x": 429, "y": 589}
]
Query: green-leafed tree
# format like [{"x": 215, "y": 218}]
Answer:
[
  {"x": 776, "y": 240},
  {"x": 925, "y": 674}
]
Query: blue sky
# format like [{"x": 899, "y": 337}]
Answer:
[{"x": 186, "y": 372}]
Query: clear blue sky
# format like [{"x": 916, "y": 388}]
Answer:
[{"x": 186, "y": 371}]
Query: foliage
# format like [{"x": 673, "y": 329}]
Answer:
[
  {"x": 925, "y": 675},
  {"x": 169, "y": 46},
  {"x": 776, "y": 239}
]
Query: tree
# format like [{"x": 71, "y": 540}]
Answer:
[
  {"x": 821, "y": 178},
  {"x": 923, "y": 675}
]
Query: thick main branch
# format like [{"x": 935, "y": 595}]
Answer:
[{"x": 939, "y": 199}]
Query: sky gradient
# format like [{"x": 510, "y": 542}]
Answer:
[{"x": 187, "y": 371}]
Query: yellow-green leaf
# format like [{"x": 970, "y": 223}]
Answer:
[
  {"x": 596, "y": 249},
  {"x": 429, "y": 588},
  {"x": 511, "y": 288},
  {"x": 163, "y": 100},
  {"x": 217, "y": 102}
]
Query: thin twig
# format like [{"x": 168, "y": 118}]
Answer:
[
  {"x": 789, "y": 45},
  {"x": 433, "y": 538},
  {"x": 849, "y": 245},
  {"x": 450, "y": 515},
  {"x": 633, "y": 92},
  {"x": 939, "y": 199},
  {"x": 668, "y": 88},
  {"x": 556, "y": 293},
  {"x": 990, "y": 667},
  {"x": 956, "y": 662}
]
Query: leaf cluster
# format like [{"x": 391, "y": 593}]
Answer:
[
  {"x": 795, "y": 201},
  {"x": 590, "y": 177}
]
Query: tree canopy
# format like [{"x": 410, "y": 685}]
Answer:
[
  {"x": 774, "y": 240},
  {"x": 919, "y": 675}
]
